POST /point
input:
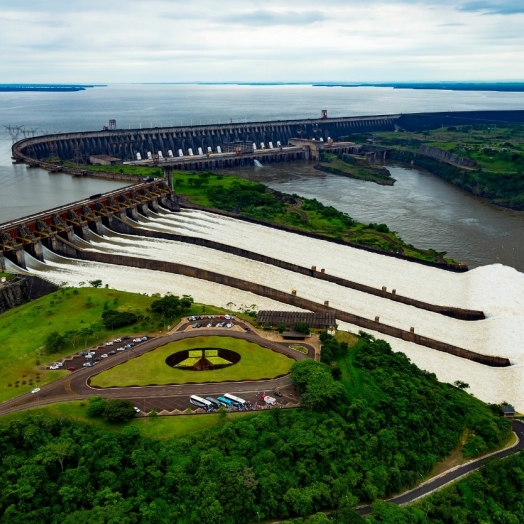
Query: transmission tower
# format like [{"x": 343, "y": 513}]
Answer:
[{"x": 14, "y": 132}]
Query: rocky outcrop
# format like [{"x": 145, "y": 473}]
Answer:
[
  {"x": 446, "y": 156},
  {"x": 16, "y": 292}
]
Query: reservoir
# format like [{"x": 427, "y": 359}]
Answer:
[{"x": 425, "y": 210}]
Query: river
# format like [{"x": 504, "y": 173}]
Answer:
[{"x": 424, "y": 210}]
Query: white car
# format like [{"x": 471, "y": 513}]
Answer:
[
  {"x": 137, "y": 410},
  {"x": 59, "y": 364},
  {"x": 229, "y": 325},
  {"x": 137, "y": 340},
  {"x": 92, "y": 353},
  {"x": 89, "y": 355},
  {"x": 36, "y": 390},
  {"x": 210, "y": 325},
  {"x": 53, "y": 367},
  {"x": 105, "y": 355},
  {"x": 144, "y": 338},
  {"x": 120, "y": 349},
  {"x": 227, "y": 317},
  {"x": 117, "y": 340},
  {"x": 110, "y": 343}
]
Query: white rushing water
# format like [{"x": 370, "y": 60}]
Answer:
[{"x": 497, "y": 290}]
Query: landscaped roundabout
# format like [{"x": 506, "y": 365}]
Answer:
[{"x": 216, "y": 358}]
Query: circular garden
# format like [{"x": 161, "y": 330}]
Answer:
[{"x": 228, "y": 359}]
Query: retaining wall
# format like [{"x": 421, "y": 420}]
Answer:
[{"x": 286, "y": 298}]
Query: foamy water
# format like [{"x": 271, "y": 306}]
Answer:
[{"x": 497, "y": 290}]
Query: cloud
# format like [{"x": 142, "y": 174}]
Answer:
[
  {"x": 493, "y": 7},
  {"x": 262, "y": 18}
]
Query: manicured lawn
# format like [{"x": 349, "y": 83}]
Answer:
[
  {"x": 151, "y": 427},
  {"x": 256, "y": 363},
  {"x": 23, "y": 331}
]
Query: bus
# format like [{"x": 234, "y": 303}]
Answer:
[
  {"x": 216, "y": 404},
  {"x": 200, "y": 402},
  {"x": 225, "y": 402},
  {"x": 236, "y": 400}
]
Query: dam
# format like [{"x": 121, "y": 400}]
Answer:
[
  {"x": 424, "y": 311},
  {"x": 204, "y": 146}
]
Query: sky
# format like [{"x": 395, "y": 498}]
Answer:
[{"x": 115, "y": 41}]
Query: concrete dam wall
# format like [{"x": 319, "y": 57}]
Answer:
[
  {"x": 125, "y": 144},
  {"x": 65, "y": 248}
]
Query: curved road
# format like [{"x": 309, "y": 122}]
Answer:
[
  {"x": 75, "y": 386},
  {"x": 442, "y": 480}
]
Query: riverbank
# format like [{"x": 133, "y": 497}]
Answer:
[
  {"x": 356, "y": 167},
  {"x": 486, "y": 161}
]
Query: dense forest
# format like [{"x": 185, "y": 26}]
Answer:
[{"x": 359, "y": 437}]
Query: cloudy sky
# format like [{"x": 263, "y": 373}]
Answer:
[{"x": 259, "y": 41}]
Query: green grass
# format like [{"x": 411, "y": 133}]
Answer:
[
  {"x": 256, "y": 363},
  {"x": 159, "y": 428},
  {"x": 188, "y": 362},
  {"x": 23, "y": 331}
]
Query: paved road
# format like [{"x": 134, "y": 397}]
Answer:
[
  {"x": 76, "y": 386},
  {"x": 434, "y": 484}
]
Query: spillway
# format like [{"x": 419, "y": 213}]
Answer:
[{"x": 497, "y": 290}]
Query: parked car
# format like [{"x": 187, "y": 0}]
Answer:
[
  {"x": 126, "y": 337},
  {"x": 83, "y": 354},
  {"x": 112, "y": 352},
  {"x": 53, "y": 367},
  {"x": 89, "y": 355},
  {"x": 144, "y": 338},
  {"x": 210, "y": 325},
  {"x": 117, "y": 340},
  {"x": 36, "y": 390},
  {"x": 87, "y": 364},
  {"x": 121, "y": 349},
  {"x": 105, "y": 355},
  {"x": 197, "y": 325},
  {"x": 227, "y": 317},
  {"x": 92, "y": 353},
  {"x": 137, "y": 410},
  {"x": 229, "y": 325},
  {"x": 59, "y": 364},
  {"x": 247, "y": 328},
  {"x": 71, "y": 368},
  {"x": 277, "y": 393},
  {"x": 96, "y": 359}
]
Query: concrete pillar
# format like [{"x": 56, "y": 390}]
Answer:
[
  {"x": 326, "y": 303},
  {"x": 377, "y": 319},
  {"x": 132, "y": 212},
  {"x": 313, "y": 268},
  {"x": 168, "y": 175},
  {"x": 322, "y": 270},
  {"x": 17, "y": 256},
  {"x": 35, "y": 250},
  {"x": 96, "y": 225},
  {"x": 2, "y": 261},
  {"x": 143, "y": 208},
  {"x": 294, "y": 292},
  {"x": 412, "y": 330},
  {"x": 384, "y": 289},
  {"x": 393, "y": 291},
  {"x": 153, "y": 204}
]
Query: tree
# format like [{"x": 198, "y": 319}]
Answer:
[
  {"x": 115, "y": 319},
  {"x": 302, "y": 327},
  {"x": 118, "y": 410},
  {"x": 95, "y": 283},
  {"x": 54, "y": 342},
  {"x": 171, "y": 305},
  {"x": 316, "y": 383}
]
